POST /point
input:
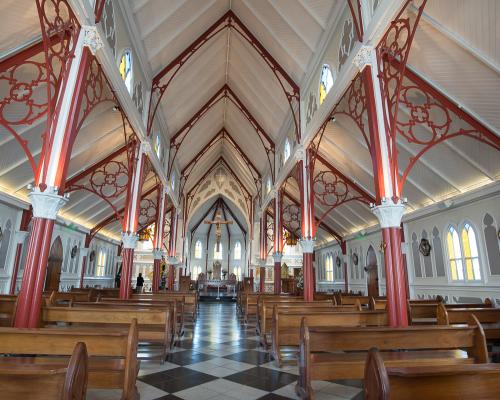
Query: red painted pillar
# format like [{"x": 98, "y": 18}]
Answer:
[
  {"x": 262, "y": 282},
  {"x": 156, "y": 270},
  {"x": 46, "y": 197},
  {"x": 129, "y": 242},
  {"x": 277, "y": 272},
  {"x": 307, "y": 268}
]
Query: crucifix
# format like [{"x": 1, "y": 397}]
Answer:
[{"x": 218, "y": 231}]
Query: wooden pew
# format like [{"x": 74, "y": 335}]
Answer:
[
  {"x": 281, "y": 300},
  {"x": 250, "y": 308},
  {"x": 174, "y": 308},
  {"x": 286, "y": 325},
  {"x": 426, "y": 313},
  {"x": 112, "y": 362},
  {"x": 331, "y": 353},
  {"x": 353, "y": 300},
  {"x": 190, "y": 300},
  {"x": 488, "y": 317},
  {"x": 153, "y": 325},
  {"x": 266, "y": 323},
  {"x": 65, "y": 382},
  {"x": 56, "y": 298},
  {"x": 443, "y": 382}
]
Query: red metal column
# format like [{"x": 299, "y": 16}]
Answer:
[
  {"x": 172, "y": 260},
  {"x": 127, "y": 266},
  {"x": 278, "y": 241},
  {"x": 158, "y": 237},
  {"x": 389, "y": 208},
  {"x": 262, "y": 282},
  {"x": 46, "y": 198},
  {"x": 156, "y": 271},
  {"x": 307, "y": 242}
]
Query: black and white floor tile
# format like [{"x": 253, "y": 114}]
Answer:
[{"x": 219, "y": 358}]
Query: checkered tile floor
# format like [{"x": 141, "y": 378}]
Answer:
[{"x": 219, "y": 358}]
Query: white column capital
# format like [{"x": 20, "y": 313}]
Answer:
[
  {"x": 364, "y": 57},
  {"x": 307, "y": 245},
  {"x": 46, "y": 204},
  {"x": 146, "y": 147},
  {"x": 129, "y": 240},
  {"x": 300, "y": 153},
  {"x": 389, "y": 214},
  {"x": 277, "y": 257},
  {"x": 172, "y": 260},
  {"x": 262, "y": 262},
  {"x": 84, "y": 251},
  {"x": 91, "y": 38},
  {"x": 20, "y": 236},
  {"x": 157, "y": 254}
]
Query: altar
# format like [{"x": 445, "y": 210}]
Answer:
[{"x": 215, "y": 287}]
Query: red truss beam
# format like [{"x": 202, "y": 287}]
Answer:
[
  {"x": 116, "y": 216},
  {"x": 220, "y": 136},
  {"x": 223, "y": 93},
  {"x": 227, "y": 21},
  {"x": 435, "y": 114},
  {"x": 357, "y": 17},
  {"x": 220, "y": 161},
  {"x": 352, "y": 104},
  {"x": 321, "y": 224},
  {"x": 269, "y": 232},
  {"x": 331, "y": 188}
]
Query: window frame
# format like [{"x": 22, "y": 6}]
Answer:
[
  {"x": 100, "y": 263},
  {"x": 198, "y": 242},
  {"x": 327, "y": 90}
]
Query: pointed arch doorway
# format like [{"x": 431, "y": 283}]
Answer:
[
  {"x": 371, "y": 272},
  {"x": 54, "y": 266}
]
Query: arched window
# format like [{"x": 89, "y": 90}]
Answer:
[
  {"x": 125, "y": 69},
  {"x": 268, "y": 185},
  {"x": 237, "y": 272},
  {"x": 237, "y": 251},
  {"x": 455, "y": 255},
  {"x": 157, "y": 146},
  {"x": 101, "y": 263},
  {"x": 325, "y": 82},
  {"x": 198, "y": 250},
  {"x": 217, "y": 254},
  {"x": 196, "y": 271},
  {"x": 471, "y": 255},
  {"x": 463, "y": 254},
  {"x": 286, "y": 150},
  {"x": 329, "y": 268}
]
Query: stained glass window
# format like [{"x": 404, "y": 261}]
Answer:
[
  {"x": 196, "y": 272},
  {"x": 237, "y": 251},
  {"x": 125, "y": 69},
  {"x": 329, "y": 268},
  {"x": 286, "y": 150},
  {"x": 217, "y": 254},
  {"x": 198, "y": 251},
  {"x": 157, "y": 146},
  {"x": 455, "y": 255},
  {"x": 101, "y": 263},
  {"x": 471, "y": 256},
  {"x": 325, "y": 82}
]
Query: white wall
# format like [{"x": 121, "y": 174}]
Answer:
[{"x": 429, "y": 276}]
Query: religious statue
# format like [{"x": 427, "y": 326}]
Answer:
[{"x": 218, "y": 231}]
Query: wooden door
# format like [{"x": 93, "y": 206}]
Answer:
[
  {"x": 54, "y": 266},
  {"x": 372, "y": 272}
]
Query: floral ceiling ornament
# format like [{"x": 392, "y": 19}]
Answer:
[{"x": 346, "y": 42}]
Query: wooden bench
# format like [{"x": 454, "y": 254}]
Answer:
[
  {"x": 68, "y": 382},
  {"x": 175, "y": 328},
  {"x": 281, "y": 300},
  {"x": 112, "y": 362},
  {"x": 488, "y": 317},
  {"x": 353, "y": 300},
  {"x": 190, "y": 300},
  {"x": 286, "y": 325},
  {"x": 426, "y": 313},
  {"x": 56, "y": 298},
  {"x": 331, "y": 353},
  {"x": 153, "y": 325},
  {"x": 265, "y": 328},
  {"x": 443, "y": 382},
  {"x": 250, "y": 307}
]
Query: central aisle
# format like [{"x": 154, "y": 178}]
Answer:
[{"x": 219, "y": 358}]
